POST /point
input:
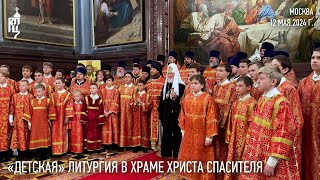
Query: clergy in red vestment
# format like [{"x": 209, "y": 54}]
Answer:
[
  {"x": 95, "y": 119},
  {"x": 42, "y": 113},
  {"x": 223, "y": 95},
  {"x": 254, "y": 67},
  {"x": 110, "y": 130},
  {"x": 6, "y": 93},
  {"x": 287, "y": 89},
  {"x": 154, "y": 88},
  {"x": 210, "y": 72},
  {"x": 47, "y": 70},
  {"x": 238, "y": 123},
  {"x": 272, "y": 130},
  {"x": 145, "y": 73},
  {"x": 76, "y": 123},
  {"x": 62, "y": 100},
  {"x": 198, "y": 121},
  {"x": 75, "y": 76},
  {"x": 81, "y": 83},
  {"x": 20, "y": 134},
  {"x": 136, "y": 70},
  {"x": 136, "y": 73},
  {"x": 161, "y": 59},
  {"x": 10, "y": 81},
  {"x": 141, "y": 106},
  {"x": 107, "y": 69},
  {"x": 26, "y": 75},
  {"x": 266, "y": 46},
  {"x": 189, "y": 58},
  {"x": 172, "y": 58},
  {"x": 38, "y": 77},
  {"x": 309, "y": 91},
  {"x": 119, "y": 77},
  {"x": 126, "y": 113}
]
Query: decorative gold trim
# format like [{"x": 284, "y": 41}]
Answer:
[
  {"x": 238, "y": 116},
  {"x": 126, "y": 96},
  {"x": 40, "y": 140},
  {"x": 263, "y": 122},
  {"x": 279, "y": 156},
  {"x": 282, "y": 140},
  {"x": 39, "y": 108},
  {"x": 56, "y": 143}
]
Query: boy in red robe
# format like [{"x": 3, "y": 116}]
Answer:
[
  {"x": 10, "y": 81},
  {"x": 110, "y": 130},
  {"x": 287, "y": 89},
  {"x": 76, "y": 124},
  {"x": 141, "y": 106},
  {"x": 271, "y": 133},
  {"x": 6, "y": 93},
  {"x": 47, "y": 70},
  {"x": 42, "y": 113},
  {"x": 26, "y": 75},
  {"x": 198, "y": 121},
  {"x": 126, "y": 113},
  {"x": 223, "y": 95},
  {"x": 194, "y": 68},
  {"x": 254, "y": 67},
  {"x": 62, "y": 100},
  {"x": 20, "y": 104},
  {"x": 38, "y": 77},
  {"x": 95, "y": 119},
  {"x": 309, "y": 91},
  {"x": 238, "y": 123}
]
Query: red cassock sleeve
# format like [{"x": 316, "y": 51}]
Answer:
[
  {"x": 101, "y": 119},
  {"x": 284, "y": 128},
  {"x": 52, "y": 110},
  {"x": 115, "y": 103},
  {"x": 69, "y": 106}
]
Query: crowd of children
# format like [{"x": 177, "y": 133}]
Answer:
[{"x": 256, "y": 114}]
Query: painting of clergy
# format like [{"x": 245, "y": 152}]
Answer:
[
  {"x": 117, "y": 22},
  {"x": 41, "y": 21},
  {"x": 243, "y": 25}
]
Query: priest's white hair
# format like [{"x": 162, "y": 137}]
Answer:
[{"x": 176, "y": 80}]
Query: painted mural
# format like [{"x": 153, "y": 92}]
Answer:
[
  {"x": 240, "y": 25},
  {"x": 42, "y": 21},
  {"x": 117, "y": 22}
]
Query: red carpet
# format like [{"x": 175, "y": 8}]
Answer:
[{"x": 152, "y": 157}]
